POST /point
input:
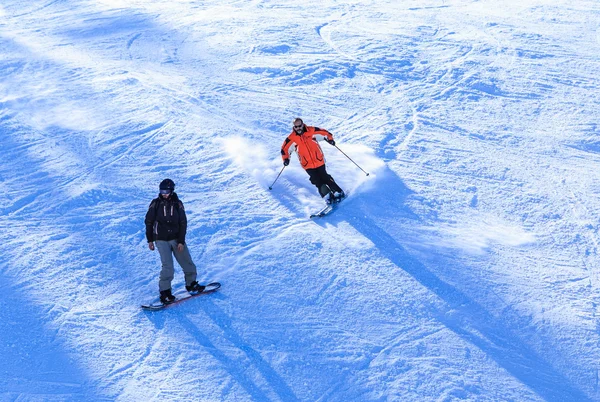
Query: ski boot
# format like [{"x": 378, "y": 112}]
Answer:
[
  {"x": 326, "y": 194},
  {"x": 338, "y": 196}
]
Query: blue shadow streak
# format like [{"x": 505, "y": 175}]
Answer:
[
  {"x": 469, "y": 319},
  {"x": 235, "y": 368},
  {"x": 35, "y": 364},
  {"x": 221, "y": 319}
]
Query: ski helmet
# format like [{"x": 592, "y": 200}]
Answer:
[{"x": 167, "y": 184}]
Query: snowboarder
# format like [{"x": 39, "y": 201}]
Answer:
[
  {"x": 305, "y": 141},
  {"x": 166, "y": 225}
]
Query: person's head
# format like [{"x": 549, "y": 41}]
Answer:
[
  {"x": 298, "y": 126},
  {"x": 166, "y": 187}
]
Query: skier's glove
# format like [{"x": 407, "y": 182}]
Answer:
[
  {"x": 286, "y": 162},
  {"x": 332, "y": 142}
]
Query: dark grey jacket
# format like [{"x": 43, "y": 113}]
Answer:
[{"x": 166, "y": 220}]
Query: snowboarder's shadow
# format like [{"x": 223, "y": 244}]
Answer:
[{"x": 235, "y": 366}]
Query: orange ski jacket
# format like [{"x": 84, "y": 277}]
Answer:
[{"x": 307, "y": 146}]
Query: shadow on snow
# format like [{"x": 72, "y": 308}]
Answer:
[
  {"x": 35, "y": 363},
  {"x": 237, "y": 368},
  {"x": 469, "y": 320}
]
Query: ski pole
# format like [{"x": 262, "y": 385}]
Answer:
[
  {"x": 271, "y": 186},
  {"x": 351, "y": 160}
]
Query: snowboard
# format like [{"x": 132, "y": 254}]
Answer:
[{"x": 210, "y": 288}]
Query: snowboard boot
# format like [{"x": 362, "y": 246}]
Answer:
[
  {"x": 166, "y": 296},
  {"x": 195, "y": 287}
]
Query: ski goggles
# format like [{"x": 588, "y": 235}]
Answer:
[{"x": 166, "y": 191}]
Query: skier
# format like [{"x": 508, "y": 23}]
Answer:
[
  {"x": 304, "y": 140},
  {"x": 166, "y": 225}
]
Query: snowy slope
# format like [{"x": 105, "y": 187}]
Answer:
[{"x": 464, "y": 267}]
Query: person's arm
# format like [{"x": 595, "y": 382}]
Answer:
[
  {"x": 149, "y": 221},
  {"x": 182, "y": 225},
  {"x": 322, "y": 134},
  {"x": 287, "y": 149}
]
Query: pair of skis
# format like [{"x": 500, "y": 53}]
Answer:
[{"x": 329, "y": 208}]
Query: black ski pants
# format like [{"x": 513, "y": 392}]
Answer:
[{"x": 322, "y": 180}]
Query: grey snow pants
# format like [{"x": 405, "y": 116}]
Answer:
[{"x": 167, "y": 249}]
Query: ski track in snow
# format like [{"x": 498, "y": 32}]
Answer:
[{"x": 464, "y": 267}]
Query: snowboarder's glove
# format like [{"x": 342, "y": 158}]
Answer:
[
  {"x": 286, "y": 161},
  {"x": 332, "y": 142}
]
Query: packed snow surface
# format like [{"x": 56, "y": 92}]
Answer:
[{"x": 465, "y": 266}]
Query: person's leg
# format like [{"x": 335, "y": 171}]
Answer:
[
  {"x": 166, "y": 259},
  {"x": 334, "y": 186},
  {"x": 327, "y": 179},
  {"x": 316, "y": 178},
  {"x": 184, "y": 259}
]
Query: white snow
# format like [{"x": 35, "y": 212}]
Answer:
[{"x": 464, "y": 267}]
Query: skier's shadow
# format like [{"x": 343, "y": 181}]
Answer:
[{"x": 369, "y": 215}]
